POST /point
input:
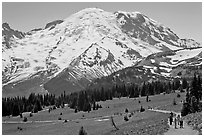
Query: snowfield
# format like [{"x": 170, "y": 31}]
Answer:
[{"x": 185, "y": 54}]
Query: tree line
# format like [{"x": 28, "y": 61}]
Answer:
[
  {"x": 86, "y": 100},
  {"x": 193, "y": 102}
]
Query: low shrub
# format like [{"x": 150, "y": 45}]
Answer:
[
  {"x": 142, "y": 109},
  {"x": 25, "y": 119},
  {"x": 126, "y": 118},
  {"x": 20, "y": 128},
  {"x": 178, "y": 95}
]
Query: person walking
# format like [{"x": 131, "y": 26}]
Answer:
[
  {"x": 175, "y": 122},
  {"x": 172, "y": 114},
  {"x": 181, "y": 122},
  {"x": 178, "y": 118},
  {"x": 170, "y": 120}
]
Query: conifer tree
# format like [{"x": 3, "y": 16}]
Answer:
[
  {"x": 16, "y": 110},
  {"x": 184, "y": 83},
  {"x": 195, "y": 88}
]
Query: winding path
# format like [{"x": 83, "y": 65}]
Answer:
[{"x": 187, "y": 130}]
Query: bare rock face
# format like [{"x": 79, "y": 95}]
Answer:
[
  {"x": 9, "y": 34},
  {"x": 52, "y": 24}
]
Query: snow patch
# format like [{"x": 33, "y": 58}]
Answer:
[{"x": 152, "y": 60}]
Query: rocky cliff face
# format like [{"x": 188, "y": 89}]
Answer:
[{"x": 9, "y": 35}]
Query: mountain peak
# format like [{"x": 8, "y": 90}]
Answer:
[
  {"x": 89, "y": 13},
  {"x": 95, "y": 9}
]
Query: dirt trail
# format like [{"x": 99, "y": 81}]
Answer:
[
  {"x": 100, "y": 118},
  {"x": 187, "y": 130}
]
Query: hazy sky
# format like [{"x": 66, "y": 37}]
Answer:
[{"x": 185, "y": 19}]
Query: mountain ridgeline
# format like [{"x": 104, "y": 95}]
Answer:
[{"x": 93, "y": 47}]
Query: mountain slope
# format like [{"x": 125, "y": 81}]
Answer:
[
  {"x": 173, "y": 63},
  {"x": 163, "y": 66},
  {"x": 139, "y": 26}
]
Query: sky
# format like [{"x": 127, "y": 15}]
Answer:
[{"x": 185, "y": 19}]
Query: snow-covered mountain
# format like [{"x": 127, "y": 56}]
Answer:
[{"x": 68, "y": 54}]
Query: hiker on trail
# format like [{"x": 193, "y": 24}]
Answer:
[
  {"x": 172, "y": 114},
  {"x": 178, "y": 118},
  {"x": 181, "y": 122},
  {"x": 171, "y": 120},
  {"x": 175, "y": 122}
]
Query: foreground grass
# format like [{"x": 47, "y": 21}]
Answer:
[
  {"x": 150, "y": 123},
  {"x": 171, "y": 107},
  {"x": 195, "y": 121}
]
